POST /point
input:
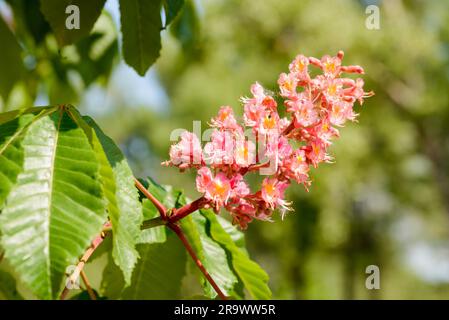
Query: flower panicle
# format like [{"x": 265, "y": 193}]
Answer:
[{"x": 284, "y": 148}]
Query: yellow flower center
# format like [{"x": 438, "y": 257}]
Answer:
[
  {"x": 316, "y": 149},
  {"x": 337, "y": 109},
  {"x": 288, "y": 85},
  {"x": 243, "y": 152},
  {"x": 300, "y": 66},
  {"x": 269, "y": 122},
  {"x": 224, "y": 115},
  {"x": 330, "y": 67},
  {"x": 270, "y": 189},
  {"x": 219, "y": 188},
  {"x": 332, "y": 89}
]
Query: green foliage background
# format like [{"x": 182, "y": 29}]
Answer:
[{"x": 386, "y": 199}]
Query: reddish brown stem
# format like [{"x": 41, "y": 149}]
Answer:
[
  {"x": 176, "y": 216},
  {"x": 187, "y": 209},
  {"x": 159, "y": 206},
  {"x": 254, "y": 167},
  {"x": 176, "y": 229},
  {"x": 79, "y": 267},
  {"x": 289, "y": 129}
]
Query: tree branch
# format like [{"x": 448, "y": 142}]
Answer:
[
  {"x": 151, "y": 223},
  {"x": 289, "y": 128},
  {"x": 176, "y": 215},
  {"x": 159, "y": 221},
  {"x": 159, "y": 206},
  {"x": 187, "y": 209},
  {"x": 190, "y": 250},
  {"x": 79, "y": 267}
]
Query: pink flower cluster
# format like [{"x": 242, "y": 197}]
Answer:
[{"x": 284, "y": 147}]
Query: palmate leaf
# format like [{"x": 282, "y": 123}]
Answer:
[
  {"x": 56, "y": 206},
  {"x": 61, "y": 178}
]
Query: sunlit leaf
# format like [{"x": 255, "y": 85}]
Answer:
[
  {"x": 56, "y": 206},
  {"x": 124, "y": 208}
]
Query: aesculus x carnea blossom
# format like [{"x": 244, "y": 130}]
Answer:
[{"x": 265, "y": 142}]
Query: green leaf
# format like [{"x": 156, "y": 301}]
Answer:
[
  {"x": 237, "y": 236},
  {"x": 141, "y": 27},
  {"x": 55, "y": 13},
  {"x": 11, "y": 153},
  {"x": 56, "y": 207},
  {"x": 160, "y": 270},
  {"x": 252, "y": 276},
  {"x": 8, "y": 288},
  {"x": 172, "y": 8},
  {"x": 97, "y": 51},
  {"x": 186, "y": 28},
  {"x": 11, "y": 66},
  {"x": 11, "y": 115},
  {"x": 112, "y": 282},
  {"x": 124, "y": 207},
  {"x": 210, "y": 253},
  {"x": 13, "y": 126},
  {"x": 164, "y": 193},
  {"x": 29, "y": 20}
]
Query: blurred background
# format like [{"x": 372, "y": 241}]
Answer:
[{"x": 384, "y": 202}]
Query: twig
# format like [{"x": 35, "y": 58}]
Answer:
[
  {"x": 155, "y": 222},
  {"x": 159, "y": 206},
  {"x": 254, "y": 167},
  {"x": 189, "y": 248},
  {"x": 88, "y": 287},
  {"x": 289, "y": 128},
  {"x": 2, "y": 254},
  {"x": 170, "y": 222},
  {"x": 187, "y": 209},
  {"x": 79, "y": 267}
]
